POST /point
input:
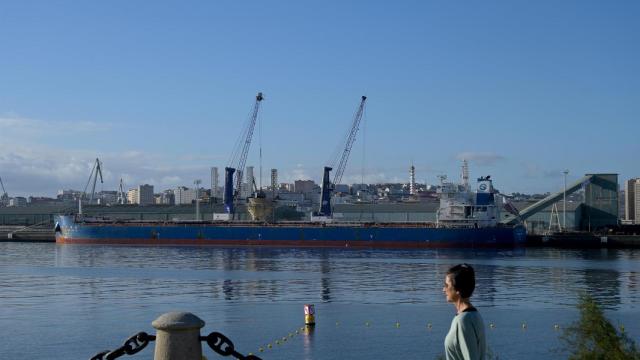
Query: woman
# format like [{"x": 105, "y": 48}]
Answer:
[{"x": 465, "y": 339}]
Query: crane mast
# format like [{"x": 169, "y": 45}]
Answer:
[
  {"x": 122, "y": 199},
  {"x": 95, "y": 172},
  {"x": 239, "y": 159},
  {"x": 4, "y": 198},
  {"x": 328, "y": 187}
]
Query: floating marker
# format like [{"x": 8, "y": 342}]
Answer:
[
  {"x": 261, "y": 350},
  {"x": 397, "y": 324},
  {"x": 367, "y": 323},
  {"x": 492, "y": 325},
  {"x": 524, "y": 325},
  {"x": 309, "y": 314},
  {"x": 556, "y": 326},
  {"x": 429, "y": 326},
  {"x": 269, "y": 346}
]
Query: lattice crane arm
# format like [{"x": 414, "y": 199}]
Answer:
[
  {"x": 246, "y": 144},
  {"x": 4, "y": 192},
  {"x": 351, "y": 138},
  {"x": 239, "y": 159}
]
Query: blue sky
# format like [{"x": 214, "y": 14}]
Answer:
[{"x": 159, "y": 90}]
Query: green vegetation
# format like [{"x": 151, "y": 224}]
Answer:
[{"x": 594, "y": 337}]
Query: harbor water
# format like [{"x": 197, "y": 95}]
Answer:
[{"x": 72, "y": 301}]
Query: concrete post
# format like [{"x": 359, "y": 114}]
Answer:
[{"x": 178, "y": 336}]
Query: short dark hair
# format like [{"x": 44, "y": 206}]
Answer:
[{"x": 463, "y": 279}]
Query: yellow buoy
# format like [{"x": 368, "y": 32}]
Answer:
[
  {"x": 309, "y": 314},
  {"x": 397, "y": 324}
]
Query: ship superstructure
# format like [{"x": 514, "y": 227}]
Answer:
[{"x": 462, "y": 208}]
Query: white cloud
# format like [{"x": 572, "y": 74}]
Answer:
[
  {"x": 13, "y": 128},
  {"x": 481, "y": 158}
]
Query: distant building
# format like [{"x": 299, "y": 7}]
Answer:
[
  {"x": 304, "y": 186},
  {"x": 167, "y": 197},
  {"x": 69, "y": 195},
  {"x": 214, "y": 182},
  {"x": 132, "y": 196},
  {"x": 287, "y": 187},
  {"x": 632, "y": 201},
  {"x": 107, "y": 197},
  {"x": 274, "y": 180},
  {"x": 18, "y": 201},
  {"x": 183, "y": 195},
  {"x": 41, "y": 200},
  {"x": 145, "y": 194}
]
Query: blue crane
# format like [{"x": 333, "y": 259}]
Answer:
[
  {"x": 239, "y": 159},
  {"x": 327, "y": 186}
]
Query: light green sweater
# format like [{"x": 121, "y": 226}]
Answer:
[{"x": 465, "y": 340}]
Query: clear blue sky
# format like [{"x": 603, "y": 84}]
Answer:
[{"x": 159, "y": 90}]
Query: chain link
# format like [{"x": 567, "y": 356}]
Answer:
[
  {"x": 131, "y": 346},
  {"x": 223, "y": 346}
]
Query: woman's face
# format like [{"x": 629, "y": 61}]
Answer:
[{"x": 449, "y": 291}]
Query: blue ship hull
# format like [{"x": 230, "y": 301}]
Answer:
[{"x": 372, "y": 235}]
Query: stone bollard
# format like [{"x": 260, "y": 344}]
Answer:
[{"x": 178, "y": 336}]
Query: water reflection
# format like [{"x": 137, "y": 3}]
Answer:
[
  {"x": 536, "y": 277},
  {"x": 258, "y": 291}
]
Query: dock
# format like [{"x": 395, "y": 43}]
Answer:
[{"x": 27, "y": 234}]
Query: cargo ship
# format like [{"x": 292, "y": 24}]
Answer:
[{"x": 465, "y": 219}]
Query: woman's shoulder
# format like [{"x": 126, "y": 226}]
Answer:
[{"x": 469, "y": 315}]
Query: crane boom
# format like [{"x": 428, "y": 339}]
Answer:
[
  {"x": 239, "y": 158},
  {"x": 247, "y": 139},
  {"x": 4, "y": 197},
  {"x": 325, "y": 210},
  {"x": 351, "y": 138},
  {"x": 95, "y": 171}
]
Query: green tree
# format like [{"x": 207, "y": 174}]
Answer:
[{"x": 593, "y": 337}]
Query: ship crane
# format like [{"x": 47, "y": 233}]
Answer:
[
  {"x": 239, "y": 159},
  {"x": 95, "y": 172},
  {"x": 328, "y": 187},
  {"x": 122, "y": 198},
  {"x": 4, "y": 199}
]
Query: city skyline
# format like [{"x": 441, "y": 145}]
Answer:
[{"x": 160, "y": 92}]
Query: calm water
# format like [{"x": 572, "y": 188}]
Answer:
[{"x": 71, "y": 301}]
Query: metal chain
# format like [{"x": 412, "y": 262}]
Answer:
[
  {"x": 223, "y": 346},
  {"x": 131, "y": 346}
]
